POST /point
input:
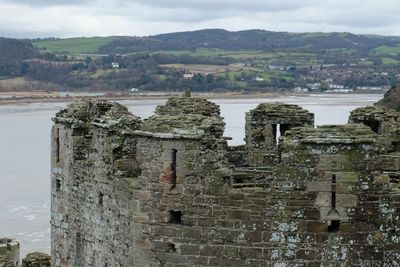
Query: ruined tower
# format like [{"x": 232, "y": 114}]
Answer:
[
  {"x": 265, "y": 124},
  {"x": 9, "y": 252},
  {"x": 168, "y": 191}
]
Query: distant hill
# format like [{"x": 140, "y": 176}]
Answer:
[
  {"x": 391, "y": 99},
  {"x": 78, "y": 45},
  {"x": 12, "y": 54},
  {"x": 203, "y": 60},
  {"x": 221, "y": 39},
  {"x": 247, "y": 40}
]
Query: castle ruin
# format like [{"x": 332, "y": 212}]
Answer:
[
  {"x": 9, "y": 252},
  {"x": 169, "y": 191}
]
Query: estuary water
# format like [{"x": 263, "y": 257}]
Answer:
[{"x": 25, "y": 153}]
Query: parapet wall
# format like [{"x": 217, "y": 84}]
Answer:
[
  {"x": 9, "y": 252},
  {"x": 165, "y": 192},
  {"x": 265, "y": 124}
]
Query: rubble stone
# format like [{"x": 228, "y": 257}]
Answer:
[{"x": 36, "y": 259}]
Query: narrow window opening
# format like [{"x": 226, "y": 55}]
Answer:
[
  {"x": 334, "y": 227},
  {"x": 78, "y": 132},
  {"x": 333, "y": 196},
  {"x": 238, "y": 180},
  {"x": 58, "y": 184},
  {"x": 58, "y": 145},
  {"x": 333, "y": 214},
  {"x": 173, "y": 168},
  {"x": 284, "y": 128},
  {"x": 276, "y": 132},
  {"x": 175, "y": 217},
  {"x": 374, "y": 125},
  {"x": 171, "y": 247},
  {"x": 78, "y": 249},
  {"x": 101, "y": 195}
]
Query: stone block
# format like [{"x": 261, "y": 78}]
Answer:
[
  {"x": 250, "y": 253},
  {"x": 303, "y": 254},
  {"x": 346, "y": 200},
  {"x": 323, "y": 199},
  {"x": 372, "y": 255},
  {"x": 316, "y": 227},
  {"x": 230, "y": 252},
  {"x": 187, "y": 249},
  {"x": 319, "y": 186},
  {"x": 191, "y": 233},
  {"x": 212, "y": 250},
  {"x": 238, "y": 214}
]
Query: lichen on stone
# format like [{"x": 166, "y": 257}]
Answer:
[
  {"x": 187, "y": 116},
  {"x": 100, "y": 113}
]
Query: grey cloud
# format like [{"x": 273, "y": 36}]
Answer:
[
  {"x": 254, "y": 5},
  {"x": 147, "y": 17},
  {"x": 41, "y": 3}
]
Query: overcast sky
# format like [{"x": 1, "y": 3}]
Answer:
[{"x": 62, "y": 18}]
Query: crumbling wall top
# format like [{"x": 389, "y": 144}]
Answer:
[
  {"x": 375, "y": 113},
  {"x": 9, "y": 252},
  {"x": 188, "y": 105},
  {"x": 331, "y": 134},
  {"x": 286, "y": 112},
  {"x": 100, "y": 113},
  {"x": 186, "y": 116},
  {"x": 36, "y": 259}
]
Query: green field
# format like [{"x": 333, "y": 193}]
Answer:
[
  {"x": 384, "y": 49},
  {"x": 389, "y": 61},
  {"x": 79, "y": 45},
  {"x": 259, "y": 59},
  {"x": 216, "y": 52}
]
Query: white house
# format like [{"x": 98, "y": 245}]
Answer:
[{"x": 188, "y": 75}]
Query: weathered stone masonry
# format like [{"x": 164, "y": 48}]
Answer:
[
  {"x": 9, "y": 252},
  {"x": 168, "y": 191}
]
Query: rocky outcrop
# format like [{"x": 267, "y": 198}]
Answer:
[{"x": 391, "y": 99}]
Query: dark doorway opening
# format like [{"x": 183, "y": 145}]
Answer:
[
  {"x": 334, "y": 227},
  {"x": 374, "y": 125},
  {"x": 175, "y": 217},
  {"x": 284, "y": 128}
]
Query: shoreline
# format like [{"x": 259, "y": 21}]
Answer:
[{"x": 44, "y": 97}]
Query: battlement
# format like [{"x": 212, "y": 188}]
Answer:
[
  {"x": 265, "y": 124},
  {"x": 9, "y": 252},
  {"x": 169, "y": 191}
]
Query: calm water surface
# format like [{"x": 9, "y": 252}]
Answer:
[{"x": 25, "y": 153}]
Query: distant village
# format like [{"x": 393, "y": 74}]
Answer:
[{"x": 328, "y": 78}]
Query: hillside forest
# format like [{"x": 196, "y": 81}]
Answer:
[{"x": 205, "y": 60}]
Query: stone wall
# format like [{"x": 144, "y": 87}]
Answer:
[
  {"x": 329, "y": 204},
  {"x": 384, "y": 122},
  {"x": 9, "y": 252},
  {"x": 167, "y": 191},
  {"x": 36, "y": 259},
  {"x": 265, "y": 124}
]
